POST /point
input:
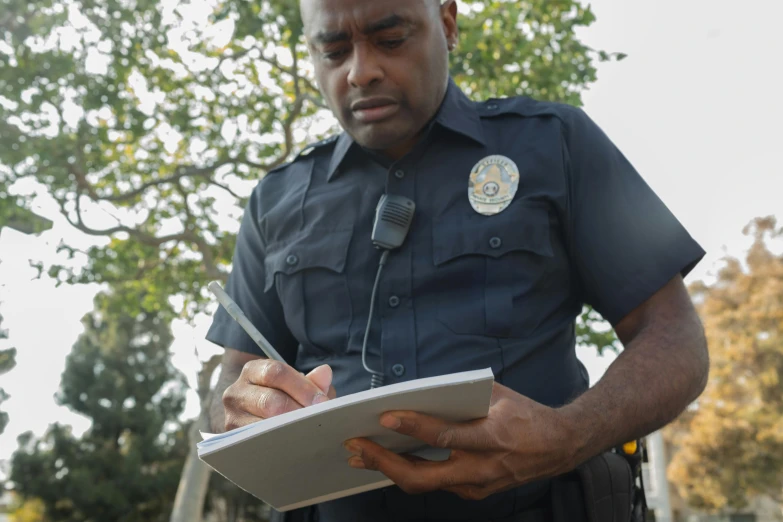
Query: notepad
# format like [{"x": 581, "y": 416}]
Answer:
[{"x": 297, "y": 459}]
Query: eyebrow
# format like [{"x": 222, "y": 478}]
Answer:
[{"x": 390, "y": 22}]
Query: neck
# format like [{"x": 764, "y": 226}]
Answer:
[{"x": 401, "y": 149}]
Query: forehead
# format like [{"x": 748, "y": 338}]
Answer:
[{"x": 344, "y": 15}]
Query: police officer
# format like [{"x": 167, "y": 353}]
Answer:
[{"x": 525, "y": 211}]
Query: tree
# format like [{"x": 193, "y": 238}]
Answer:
[
  {"x": 592, "y": 331},
  {"x": 731, "y": 446},
  {"x": 14, "y": 214},
  {"x": 7, "y": 362},
  {"x": 126, "y": 467},
  {"x": 227, "y": 503},
  {"x": 31, "y": 510},
  {"x": 189, "y": 501}
]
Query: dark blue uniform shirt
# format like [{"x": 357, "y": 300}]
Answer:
[{"x": 465, "y": 291}]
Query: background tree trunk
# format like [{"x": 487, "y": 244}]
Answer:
[{"x": 192, "y": 490}]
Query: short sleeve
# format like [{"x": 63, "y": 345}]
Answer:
[
  {"x": 625, "y": 243},
  {"x": 246, "y": 287}
]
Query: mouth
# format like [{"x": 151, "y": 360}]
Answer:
[{"x": 370, "y": 110}]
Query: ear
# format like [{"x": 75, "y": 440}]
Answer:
[{"x": 448, "y": 15}]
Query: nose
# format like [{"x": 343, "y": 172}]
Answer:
[{"x": 365, "y": 70}]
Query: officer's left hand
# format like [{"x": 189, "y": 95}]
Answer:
[{"x": 518, "y": 442}]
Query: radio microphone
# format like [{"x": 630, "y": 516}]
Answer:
[{"x": 393, "y": 218}]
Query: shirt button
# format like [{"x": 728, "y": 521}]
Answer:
[
  {"x": 291, "y": 260},
  {"x": 495, "y": 242},
  {"x": 399, "y": 174},
  {"x": 394, "y": 301},
  {"x": 492, "y": 106},
  {"x": 398, "y": 370}
]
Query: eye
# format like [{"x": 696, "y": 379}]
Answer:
[
  {"x": 392, "y": 44},
  {"x": 335, "y": 55}
]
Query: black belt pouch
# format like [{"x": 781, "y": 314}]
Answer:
[{"x": 600, "y": 490}]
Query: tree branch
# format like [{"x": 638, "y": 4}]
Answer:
[
  {"x": 225, "y": 187},
  {"x": 205, "y": 378},
  {"x": 295, "y": 111},
  {"x": 236, "y": 56},
  {"x": 188, "y": 214},
  {"x": 147, "y": 239},
  {"x": 181, "y": 172},
  {"x": 315, "y": 101},
  {"x": 144, "y": 268},
  {"x": 274, "y": 63},
  {"x": 294, "y": 73},
  {"x": 210, "y": 267},
  {"x": 81, "y": 181},
  {"x": 208, "y": 258}
]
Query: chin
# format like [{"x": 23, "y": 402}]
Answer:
[{"x": 376, "y": 137}]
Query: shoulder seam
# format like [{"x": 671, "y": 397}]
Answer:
[
  {"x": 523, "y": 106},
  {"x": 306, "y": 151}
]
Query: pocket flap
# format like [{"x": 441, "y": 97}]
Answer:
[
  {"x": 313, "y": 248},
  {"x": 522, "y": 226}
]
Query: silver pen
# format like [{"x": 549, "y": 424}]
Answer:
[{"x": 234, "y": 311}]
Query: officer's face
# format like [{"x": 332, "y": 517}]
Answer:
[{"x": 382, "y": 65}]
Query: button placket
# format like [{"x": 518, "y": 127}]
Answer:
[{"x": 398, "y": 342}]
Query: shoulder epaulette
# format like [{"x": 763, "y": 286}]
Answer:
[
  {"x": 522, "y": 105},
  {"x": 306, "y": 151}
]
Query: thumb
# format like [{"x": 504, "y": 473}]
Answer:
[{"x": 321, "y": 377}]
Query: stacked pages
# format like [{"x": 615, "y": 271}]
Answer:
[{"x": 298, "y": 459}]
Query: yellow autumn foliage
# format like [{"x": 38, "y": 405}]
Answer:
[{"x": 731, "y": 448}]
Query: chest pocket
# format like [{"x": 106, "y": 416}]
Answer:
[
  {"x": 489, "y": 269},
  {"x": 308, "y": 271}
]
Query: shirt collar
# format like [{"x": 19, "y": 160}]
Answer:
[
  {"x": 341, "y": 148},
  {"x": 457, "y": 113}
]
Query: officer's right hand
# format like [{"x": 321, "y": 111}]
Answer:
[{"x": 267, "y": 388}]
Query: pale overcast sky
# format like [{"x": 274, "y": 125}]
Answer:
[{"x": 695, "y": 107}]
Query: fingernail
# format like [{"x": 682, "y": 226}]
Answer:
[
  {"x": 391, "y": 422},
  {"x": 319, "y": 398},
  {"x": 324, "y": 386},
  {"x": 356, "y": 462},
  {"x": 356, "y": 450}
]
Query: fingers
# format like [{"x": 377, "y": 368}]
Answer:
[
  {"x": 268, "y": 388},
  {"x": 258, "y": 401},
  {"x": 415, "y": 475},
  {"x": 437, "y": 432},
  {"x": 279, "y": 376},
  {"x": 236, "y": 419}
]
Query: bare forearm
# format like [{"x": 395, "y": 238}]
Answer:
[{"x": 662, "y": 370}]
